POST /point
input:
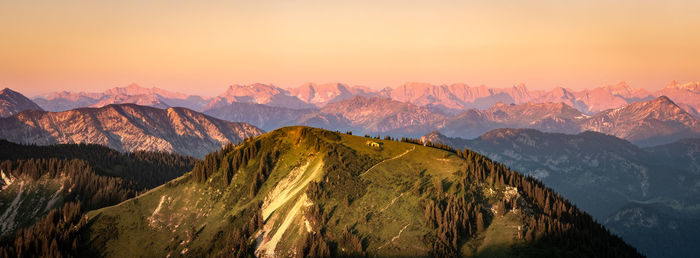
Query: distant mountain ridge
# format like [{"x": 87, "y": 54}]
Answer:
[
  {"x": 127, "y": 127},
  {"x": 12, "y": 102},
  {"x": 130, "y": 94},
  {"x": 446, "y": 99},
  {"x": 653, "y": 122}
]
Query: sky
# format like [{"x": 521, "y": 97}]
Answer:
[{"x": 201, "y": 47}]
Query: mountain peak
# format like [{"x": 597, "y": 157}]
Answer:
[
  {"x": 12, "y": 102},
  {"x": 663, "y": 100}
]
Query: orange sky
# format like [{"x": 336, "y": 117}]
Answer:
[{"x": 203, "y": 46}]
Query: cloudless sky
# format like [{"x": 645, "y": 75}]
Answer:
[{"x": 203, "y": 46}]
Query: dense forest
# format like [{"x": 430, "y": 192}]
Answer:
[{"x": 92, "y": 177}]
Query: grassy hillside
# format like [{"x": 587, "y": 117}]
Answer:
[{"x": 300, "y": 191}]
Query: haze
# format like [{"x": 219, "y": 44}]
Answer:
[{"x": 201, "y": 47}]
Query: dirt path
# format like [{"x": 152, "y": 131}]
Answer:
[
  {"x": 267, "y": 248},
  {"x": 395, "y": 237},
  {"x": 398, "y": 156},
  {"x": 392, "y": 202}
]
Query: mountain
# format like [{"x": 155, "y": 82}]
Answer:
[
  {"x": 64, "y": 100},
  {"x": 638, "y": 193},
  {"x": 130, "y": 94},
  {"x": 459, "y": 96},
  {"x": 263, "y": 116},
  {"x": 653, "y": 122},
  {"x": 646, "y": 123},
  {"x": 594, "y": 100},
  {"x": 299, "y": 191},
  {"x": 550, "y": 117},
  {"x": 450, "y": 99},
  {"x": 12, "y": 102},
  {"x": 260, "y": 94},
  {"x": 684, "y": 94},
  {"x": 376, "y": 114},
  {"x": 127, "y": 127},
  {"x": 322, "y": 94},
  {"x": 142, "y": 100},
  {"x": 35, "y": 180},
  {"x": 360, "y": 114}
]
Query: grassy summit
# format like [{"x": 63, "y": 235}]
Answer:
[{"x": 300, "y": 191}]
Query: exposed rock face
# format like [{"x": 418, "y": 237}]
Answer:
[
  {"x": 12, "y": 102},
  {"x": 127, "y": 127}
]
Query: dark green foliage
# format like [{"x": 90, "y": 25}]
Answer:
[
  {"x": 57, "y": 235},
  {"x": 146, "y": 169},
  {"x": 314, "y": 245},
  {"x": 96, "y": 176},
  {"x": 94, "y": 190},
  {"x": 556, "y": 222},
  {"x": 236, "y": 243},
  {"x": 453, "y": 218}
]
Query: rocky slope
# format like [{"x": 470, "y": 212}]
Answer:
[
  {"x": 637, "y": 192},
  {"x": 306, "y": 192},
  {"x": 127, "y": 127},
  {"x": 12, "y": 102}
]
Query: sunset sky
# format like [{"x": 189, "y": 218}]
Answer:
[{"x": 202, "y": 47}]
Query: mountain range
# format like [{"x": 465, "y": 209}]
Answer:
[
  {"x": 446, "y": 99},
  {"x": 656, "y": 121},
  {"x": 640, "y": 193},
  {"x": 127, "y": 127}
]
